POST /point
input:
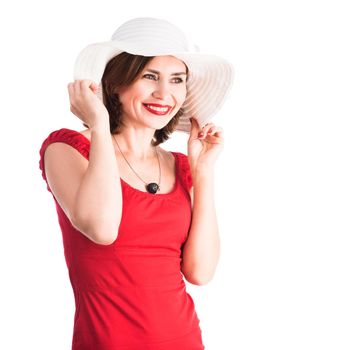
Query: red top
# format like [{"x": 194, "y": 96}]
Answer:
[{"x": 130, "y": 294}]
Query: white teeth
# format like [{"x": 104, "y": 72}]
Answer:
[{"x": 158, "y": 109}]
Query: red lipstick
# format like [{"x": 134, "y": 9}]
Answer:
[{"x": 160, "y": 109}]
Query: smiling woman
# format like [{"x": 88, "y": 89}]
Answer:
[{"x": 129, "y": 248}]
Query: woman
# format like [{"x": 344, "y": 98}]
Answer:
[{"x": 129, "y": 243}]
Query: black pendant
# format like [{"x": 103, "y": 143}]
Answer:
[{"x": 152, "y": 187}]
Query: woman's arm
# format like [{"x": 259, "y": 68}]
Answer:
[
  {"x": 98, "y": 202},
  {"x": 202, "y": 248},
  {"x": 88, "y": 191}
]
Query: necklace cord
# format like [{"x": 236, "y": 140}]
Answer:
[{"x": 133, "y": 168}]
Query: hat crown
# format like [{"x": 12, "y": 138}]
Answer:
[{"x": 156, "y": 35}]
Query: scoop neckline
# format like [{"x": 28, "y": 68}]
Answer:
[{"x": 126, "y": 185}]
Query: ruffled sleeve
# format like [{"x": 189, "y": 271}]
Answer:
[
  {"x": 72, "y": 138},
  {"x": 185, "y": 170}
]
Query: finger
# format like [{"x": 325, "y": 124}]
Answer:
[
  {"x": 215, "y": 130},
  {"x": 214, "y": 133},
  {"x": 217, "y": 133},
  {"x": 87, "y": 84},
  {"x": 194, "y": 128},
  {"x": 94, "y": 87},
  {"x": 70, "y": 88},
  {"x": 215, "y": 137},
  {"x": 206, "y": 128},
  {"x": 76, "y": 88},
  {"x": 195, "y": 123},
  {"x": 71, "y": 91}
]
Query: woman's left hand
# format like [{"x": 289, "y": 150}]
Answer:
[{"x": 204, "y": 150}]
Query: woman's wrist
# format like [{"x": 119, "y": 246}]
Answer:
[{"x": 100, "y": 126}]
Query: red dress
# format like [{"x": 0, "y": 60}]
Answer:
[{"x": 130, "y": 294}]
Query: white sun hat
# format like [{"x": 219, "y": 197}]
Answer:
[{"x": 210, "y": 76}]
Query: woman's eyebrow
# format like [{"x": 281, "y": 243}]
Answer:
[{"x": 157, "y": 72}]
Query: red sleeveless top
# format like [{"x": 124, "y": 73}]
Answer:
[{"x": 130, "y": 294}]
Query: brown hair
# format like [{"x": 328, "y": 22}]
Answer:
[{"x": 120, "y": 72}]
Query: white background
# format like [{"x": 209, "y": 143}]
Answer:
[{"x": 282, "y": 181}]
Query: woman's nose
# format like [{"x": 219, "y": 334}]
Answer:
[{"x": 162, "y": 90}]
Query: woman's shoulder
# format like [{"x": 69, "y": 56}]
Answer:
[
  {"x": 68, "y": 136},
  {"x": 184, "y": 168}
]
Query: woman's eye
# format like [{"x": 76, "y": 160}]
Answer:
[
  {"x": 150, "y": 75},
  {"x": 178, "y": 80}
]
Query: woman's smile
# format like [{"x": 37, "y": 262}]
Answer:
[{"x": 157, "y": 109}]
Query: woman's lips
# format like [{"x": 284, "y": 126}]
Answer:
[{"x": 159, "y": 111}]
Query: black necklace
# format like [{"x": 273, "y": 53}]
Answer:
[{"x": 152, "y": 187}]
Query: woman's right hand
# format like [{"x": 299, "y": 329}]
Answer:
[{"x": 85, "y": 104}]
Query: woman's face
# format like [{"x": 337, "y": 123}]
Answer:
[{"x": 157, "y": 94}]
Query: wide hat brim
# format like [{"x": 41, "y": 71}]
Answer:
[{"x": 208, "y": 86}]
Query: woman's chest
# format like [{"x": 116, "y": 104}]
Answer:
[{"x": 139, "y": 175}]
